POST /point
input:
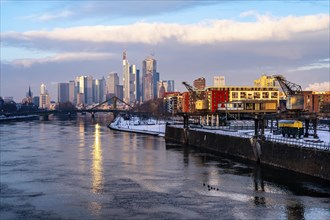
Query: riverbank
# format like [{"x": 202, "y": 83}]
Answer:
[
  {"x": 290, "y": 155},
  {"x": 18, "y": 118}
]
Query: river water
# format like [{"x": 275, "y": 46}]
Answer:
[{"x": 79, "y": 169}]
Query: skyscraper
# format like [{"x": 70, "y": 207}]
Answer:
[
  {"x": 44, "y": 99},
  {"x": 219, "y": 81},
  {"x": 85, "y": 89},
  {"x": 112, "y": 82},
  {"x": 63, "y": 92},
  {"x": 161, "y": 84},
  {"x": 199, "y": 83},
  {"x": 150, "y": 75},
  {"x": 131, "y": 80},
  {"x": 43, "y": 89},
  {"x": 170, "y": 86},
  {"x": 98, "y": 90},
  {"x": 72, "y": 94},
  {"x": 134, "y": 84}
]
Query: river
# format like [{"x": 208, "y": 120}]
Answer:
[{"x": 79, "y": 169}]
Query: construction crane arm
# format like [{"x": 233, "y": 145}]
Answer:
[
  {"x": 189, "y": 87},
  {"x": 288, "y": 88}
]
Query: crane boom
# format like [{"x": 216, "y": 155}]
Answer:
[
  {"x": 288, "y": 88},
  {"x": 189, "y": 87}
]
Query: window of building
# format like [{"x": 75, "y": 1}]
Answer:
[
  {"x": 265, "y": 95},
  {"x": 235, "y": 95},
  {"x": 243, "y": 95},
  {"x": 274, "y": 95},
  {"x": 257, "y": 95}
]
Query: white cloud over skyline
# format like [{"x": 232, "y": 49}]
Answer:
[
  {"x": 264, "y": 28},
  {"x": 321, "y": 87}
]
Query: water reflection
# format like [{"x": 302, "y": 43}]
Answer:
[
  {"x": 295, "y": 210},
  {"x": 81, "y": 151},
  {"x": 97, "y": 168},
  {"x": 258, "y": 185}
]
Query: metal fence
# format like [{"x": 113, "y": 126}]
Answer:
[
  {"x": 299, "y": 142},
  {"x": 227, "y": 130}
]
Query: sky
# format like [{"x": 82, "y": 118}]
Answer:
[{"x": 55, "y": 41}]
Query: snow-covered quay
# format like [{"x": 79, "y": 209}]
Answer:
[{"x": 157, "y": 128}]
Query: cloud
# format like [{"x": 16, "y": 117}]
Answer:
[
  {"x": 321, "y": 64},
  {"x": 48, "y": 16},
  {"x": 113, "y": 9},
  {"x": 319, "y": 87},
  {"x": 64, "y": 57},
  {"x": 265, "y": 28}
]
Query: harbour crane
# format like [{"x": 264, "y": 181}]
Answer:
[
  {"x": 197, "y": 100},
  {"x": 293, "y": 92},
  {"x": 289, "y": 88}
]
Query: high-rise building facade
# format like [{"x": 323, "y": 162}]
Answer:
[
  {"x": 72, "y": 94},
  {"x": 134, "y": 84},
  {"x": 149, "y": 75},
  {"x": 160, "y": 84},
  {"x": 44, "y": 99},
  {"x": 170, "y": 86},
  {"x": 99, "y": 90},
  {"x": 131, "y": 81},
  {"x": 120, "y": 91},
  {"x": 219, "y": 81},
  {"x": 63, "y": 92},
  {"x": 85, "y": 89},
  {"x": 112, "y": 82},
  {"x": 199, "y": 83}
]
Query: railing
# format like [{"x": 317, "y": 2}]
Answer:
[
  {"x": 226, "y": 130},
  {"x": 299, "y": 142}
]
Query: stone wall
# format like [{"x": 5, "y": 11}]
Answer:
[{"x": 308, "y": 161}]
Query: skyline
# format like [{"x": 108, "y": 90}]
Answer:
[{"x": 52, "y": 42}]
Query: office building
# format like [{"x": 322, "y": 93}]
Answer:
[
  {"x": 219, "y": 81},
  {"x": 131, "y": 81},
  {"x": 170, "y": 86},
  {"x": 99, "y": 87},
  {"x": 149, "y": 74},
  {"x": 112, "y": 82},
  {"x": 44, "y": 99},
  {"x": 63, "y": 92},
  {"x": 120, "y": 91},
  {"x": 72, "y": 94},
  {"x": 85, "y": 89},
  {"x": 199, "y": 83},
  {"x": 160, "y": 84}
]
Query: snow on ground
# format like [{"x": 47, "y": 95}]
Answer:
[
  {"x": 149, "y": 126},
  {"x": 155, "y": 127}
]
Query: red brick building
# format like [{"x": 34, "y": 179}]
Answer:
[{"x": 217, "y": 96}]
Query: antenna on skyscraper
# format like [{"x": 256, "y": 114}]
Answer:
[{"x": 124, "y": 55}]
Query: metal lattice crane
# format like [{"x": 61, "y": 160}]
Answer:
[
  {"x": 293, "y": 93},
  {"x": 192, "y": 90},
  {"x": 288, "y": 88}
]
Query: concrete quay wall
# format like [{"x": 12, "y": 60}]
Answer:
[{"x": 308, "y": 161}]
